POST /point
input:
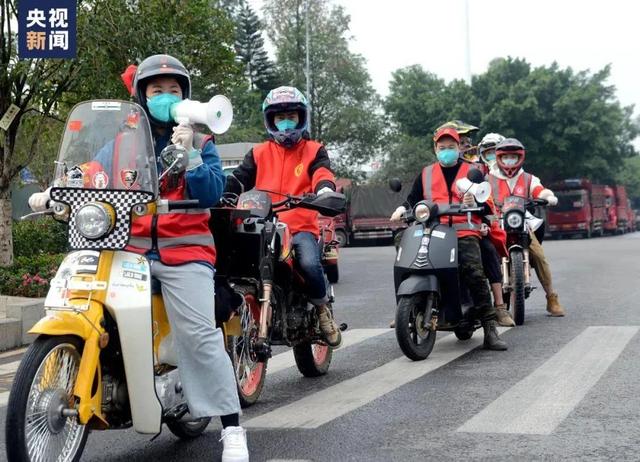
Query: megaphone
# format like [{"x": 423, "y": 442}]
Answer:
[
  {"x": 217, "y": 114},
  {"x": 480, "y": 191}
]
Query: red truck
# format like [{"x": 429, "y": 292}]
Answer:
[
  {"x": 625, "y": 214},
  {"x": 581, "y": 208},
  {"x": 368, "y": 212}
]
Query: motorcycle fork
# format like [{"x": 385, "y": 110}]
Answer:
[
  {"x": 505, "y": 272},
  {"x": 265, "y": 311},
  {"x": 527, "y": 267}
]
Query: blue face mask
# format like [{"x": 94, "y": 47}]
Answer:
[
  {"x": 490, "y": 157},
  {"x": 286, "y": 124},
  {"x": 160, "y": 106},
  {"x": 448, "y": 157}
]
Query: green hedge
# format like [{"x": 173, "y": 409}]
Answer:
[
  {"x": 39, "y": 247},
  {"x": 39, "y": 237},
  {"x": 29, "y": 276}
]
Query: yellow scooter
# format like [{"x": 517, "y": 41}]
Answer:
[{"x": 104, "y": 357}]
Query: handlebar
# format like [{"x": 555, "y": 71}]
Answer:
[{"x": 184, "y": 204}]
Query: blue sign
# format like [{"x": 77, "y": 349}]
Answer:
[{"x": 46, "y": 29}]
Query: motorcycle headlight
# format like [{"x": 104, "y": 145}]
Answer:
[
  {"x": 514, "y": 220},
  {"x": 95, "y": 220},
  {"x": 422, "y": 213}
]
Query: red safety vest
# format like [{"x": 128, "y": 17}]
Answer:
[
  {"x": 286, "y": 171},
  {"x": 181, "y": 236},
  {"x": 434, "y": 187},
  {"x": 500, "y": 188}
]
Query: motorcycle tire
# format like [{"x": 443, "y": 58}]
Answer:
[
  {"x": 250, "y": 378},
  {"x": 313, "y": 359},
  {"x": 67, "y": 349},
  {"x": 333, "y": 275},
  {"x": 188, "y": 430},
  {"x": 463, "y": 334},
  {"x": 517, "y": 296},
  {"x": 342, "y": 239},
  {"x": 409, "y": 309}
]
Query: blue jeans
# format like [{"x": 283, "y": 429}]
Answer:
[{"x": 307, "y": 252}]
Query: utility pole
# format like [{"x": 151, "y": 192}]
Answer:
[
  {"x": 467, "y": 43},
  {"x": 308, "y": 68}
]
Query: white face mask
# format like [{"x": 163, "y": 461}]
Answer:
[{"x": 510, "y": 161}]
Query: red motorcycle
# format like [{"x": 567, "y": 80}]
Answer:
[{"x": 255, "y": 265}]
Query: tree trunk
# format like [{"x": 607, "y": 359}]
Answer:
[{"x": 6, "y": 239}]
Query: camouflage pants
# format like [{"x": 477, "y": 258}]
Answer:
[{"x": 472, "y": 275}]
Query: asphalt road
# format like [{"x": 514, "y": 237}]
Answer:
[{"x": 566, "y": 389}]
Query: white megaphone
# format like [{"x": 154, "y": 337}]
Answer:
[
  {"x": 480, "y": 191},
  {"x": 217, "y": 114}
]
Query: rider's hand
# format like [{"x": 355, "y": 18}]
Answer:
[
  {"x": 468, "y": 200},
  {"x": 484, "y": 229},
  {"x": 397, "y": 215},
  {"x": 324, "y": 190},
  {"x": 38, "y": 201},
  {"x": 183, "y": 135},
  {"x": 552, "y": 200}
]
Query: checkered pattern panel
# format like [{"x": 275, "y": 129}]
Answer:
[{"x": 122, "y": 202}]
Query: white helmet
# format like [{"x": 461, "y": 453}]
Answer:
[{"x": 490, "y": 141}]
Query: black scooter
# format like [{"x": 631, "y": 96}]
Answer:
[{"x": 429, "y": 294}]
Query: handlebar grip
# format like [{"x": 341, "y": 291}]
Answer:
[{"x": 184, "y": 204}]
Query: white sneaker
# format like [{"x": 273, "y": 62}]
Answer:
[{"x": 234, "y": 440}]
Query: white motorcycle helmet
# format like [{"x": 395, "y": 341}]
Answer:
[{"x": 488, "y": 143}]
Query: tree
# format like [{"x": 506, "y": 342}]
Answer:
[
  {"x": 345, "y": 109},
  {"x": 570, "y": 122},
  {"x": 110, "y": 35},
  {"x": 256, "y": 65}
]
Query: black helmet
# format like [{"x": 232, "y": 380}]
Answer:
[{"x": 154, "y": 66}]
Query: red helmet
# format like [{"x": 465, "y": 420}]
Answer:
[{"x": 510, "y": 147}]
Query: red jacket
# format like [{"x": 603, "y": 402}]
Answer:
[{"x": 305, "y": 168}]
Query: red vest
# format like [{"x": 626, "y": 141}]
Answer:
[
  {"x": 180, "y": 236},
  {"x": 287, "y": 171},
  {"x": 434, "y": 188},
  {"x": 500, "y": 188}
]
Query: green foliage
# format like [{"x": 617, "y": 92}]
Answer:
[
  {"x": 406, "y": 157},
  {"x": 39, "y": 237},
  {"x": 629, "y": 176},
  {"x": 570, "y": 122},
  {"x": 345, "y": 109},
  {"x": 29, "y": 276}
]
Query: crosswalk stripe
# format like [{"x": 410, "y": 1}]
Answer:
[
  {"x": 540, "y": 402},
  {"x": 9, "y": 368},
  {"x": 330, "y": 403},
  {"x": 350, "y": 337}
]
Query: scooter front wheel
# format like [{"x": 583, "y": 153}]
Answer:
[
  {"x": 517, "y": 295},
  {"x": 41, "y": 424},
  {"x": 414, "y": 332}
]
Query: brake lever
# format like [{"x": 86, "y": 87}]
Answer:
[{"x": 36, "y": 214}]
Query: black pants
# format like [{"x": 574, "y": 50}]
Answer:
[
  {"x": 472, "y": 274},
  {"x": 490, "y": 261}
]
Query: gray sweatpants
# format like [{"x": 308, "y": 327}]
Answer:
[{"x": 205, "y": 368}]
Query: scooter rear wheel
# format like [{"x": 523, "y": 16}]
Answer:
[
  {"x": 188, "y": 430},
  {"x": 413, "y": 331}
]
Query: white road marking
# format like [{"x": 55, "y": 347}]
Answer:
[
  {"x": 4, "y": 398},
  {"x": 326, "y": 405},
  {"x": 540, "y": 402},
  {"x": 9, "y": 368},
  {"x": 350, "y": 337}
]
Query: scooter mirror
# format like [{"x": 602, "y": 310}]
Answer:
[
  {"x": 475, "y": 175},
  {"x": 395, "y": 184}
]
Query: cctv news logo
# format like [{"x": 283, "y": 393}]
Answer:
[{"x": 47, "y": 29}]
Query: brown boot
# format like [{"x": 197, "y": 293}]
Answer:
[
  {"x": 503, "y": 316},
  {"x": 554, "y": 307},
  {"x": 329, "y": 328}
]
